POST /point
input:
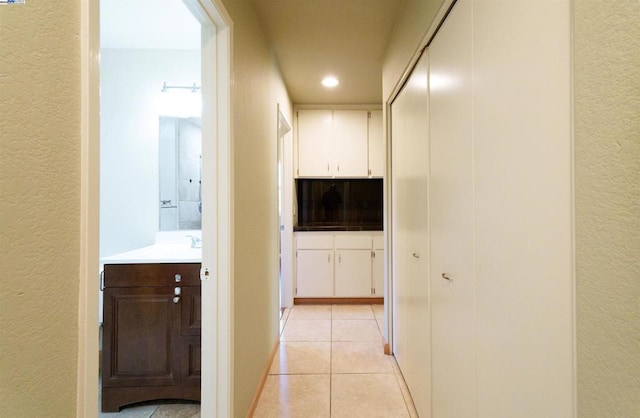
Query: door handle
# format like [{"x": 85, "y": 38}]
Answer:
[
  {"x": 416, "y": 255},
  {"x": 446, "y": 277}
]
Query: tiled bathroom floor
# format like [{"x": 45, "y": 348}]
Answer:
[
  {"x": 157, "y": 410},
  {"x": 330, "y": 363}
]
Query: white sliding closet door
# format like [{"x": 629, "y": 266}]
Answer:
[
  {"x": 410, "y": 169},
  {"x": 451, "y": 216},
  {"x": 523, "y": 205}
]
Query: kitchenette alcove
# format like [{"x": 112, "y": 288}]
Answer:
[{"x": 338, "y": 206}]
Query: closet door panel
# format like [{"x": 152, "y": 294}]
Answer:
[
  {"x": 451, "y": 210},
  {"x": 400, "y": 241},
  {"x": 411, "y": 279},
  {"x": 522, "y": 108}
]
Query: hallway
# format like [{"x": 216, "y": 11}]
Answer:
[{"x": 330, "y": 363}]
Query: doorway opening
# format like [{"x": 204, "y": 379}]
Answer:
[{"x": 215, "y": 51}]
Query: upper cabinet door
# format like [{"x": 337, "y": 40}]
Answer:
[
  {"x": 350, "y": 143},
  {"x": 376, "y": 144},
  {"x": 315, "y": 143}
]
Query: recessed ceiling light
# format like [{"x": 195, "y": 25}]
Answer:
[{"x": 330, "y": 81}]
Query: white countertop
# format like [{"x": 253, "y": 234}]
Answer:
[{"x": 169, "y": 247}]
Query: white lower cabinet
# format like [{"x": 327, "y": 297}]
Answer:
[
  {"x": 338, "y": 265},
  {"x": 377, "y": 266},
  {"x": 377, "y": 273},
  {"x": 353, "y": 273},
  {"x": 315, "y": 273}
]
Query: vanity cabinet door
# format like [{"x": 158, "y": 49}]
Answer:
[
  {"x": 140, "y": 347},
  {"x": 190, "y": 329},
  {"x": 151, "y": 333}
]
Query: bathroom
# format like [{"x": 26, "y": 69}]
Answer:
[
  {"x": 150, "y": 187},
  {"x": 134, "y": 67}
]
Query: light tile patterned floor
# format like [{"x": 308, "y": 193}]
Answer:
[
  {"x": 156, "y": 410},
  {"x": 331, "y": 364}
]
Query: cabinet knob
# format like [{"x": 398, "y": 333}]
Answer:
[
  {"x": 177, "y": 291},
  {"x": 178, "y": 278},
  {"x": 176, "y": 299}
]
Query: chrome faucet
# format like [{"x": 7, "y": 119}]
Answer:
[{"x": 196, "y": 242}]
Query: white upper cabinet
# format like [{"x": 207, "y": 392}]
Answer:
[
  {"x": 376, "y": 144},
  {"x": 350, "y": 142},
  {"x": 315, "y": 143},
  {"x": 337, "y": 143}
]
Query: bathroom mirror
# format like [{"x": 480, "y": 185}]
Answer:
[{"x": 180, "y": 165}]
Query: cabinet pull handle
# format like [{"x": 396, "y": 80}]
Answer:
[
  {"x": 328, "y": 258},
  {"x": 416, "y": 255},
  {"x": 340, "y": 258},
  {"x": 327, "y": 166},
  {"x": 176, "y": 299},
  {"x": 177, "y": 291},
  {"x": 102, "y": 280},
  {"x": 444, "y": 276},
  {"x": 338, "y": 167}
]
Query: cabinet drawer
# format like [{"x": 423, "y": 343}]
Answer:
[
  {"x": 151, "y": 275},
  {"x": 353, "y": 242},
  {"x": 314, "y": 242}
]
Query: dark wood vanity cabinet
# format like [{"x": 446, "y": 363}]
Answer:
[{"x": 151, "y": 333}]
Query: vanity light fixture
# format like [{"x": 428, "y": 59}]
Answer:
[
  {"x": 330, "y": 82},
  {"x": 194, "y": 89},
  {"x": 180, "y": 101}
]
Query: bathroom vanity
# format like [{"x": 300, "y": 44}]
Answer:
[{"x": 151, "y": 333}]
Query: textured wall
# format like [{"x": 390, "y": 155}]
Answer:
[
  {"x": 257, "y": 89},
  {"x": 607, "y": 169},
  {"x": 39, "y": 207}
]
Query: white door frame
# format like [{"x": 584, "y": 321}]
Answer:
[
  {"x": 284, "y": 235},
  {"x": 217, "y": 254}
]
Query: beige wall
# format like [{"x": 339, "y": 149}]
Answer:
[
  {"x": 39, "y": 207},
  {"x": 607, "y": 204},
  {"x": 257, "y": 88},
  {"x": 413, "y": 22},
  {"x": 607, "y": 167}
]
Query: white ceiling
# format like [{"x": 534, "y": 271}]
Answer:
[
  {"x": 345, "y": 38},
  {"x": 148, "y": 24},
  {"x": 310, "y": 38}
]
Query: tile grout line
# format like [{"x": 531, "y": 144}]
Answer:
[
  {"x": 398, "y": 375},
  {"x": 331, "y": 364}
]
